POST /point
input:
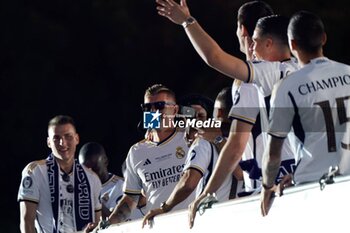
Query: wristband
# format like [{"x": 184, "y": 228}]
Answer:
[
  {"x": 190, "y": 20},
  {"x": 218, "y": 140},
  {"x": 165, "y": 207}
]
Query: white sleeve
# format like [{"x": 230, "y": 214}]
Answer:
[
  {"x": 133, "y": 183},
  {"x": 199, "y": 156},
  {"x": 97, "y": 193},
  {"x": 264, "y": 74},
  {"x": 245, "y": 104},
  {"x": 29, "y": 187},
  {"x": 282, "y": 111}
]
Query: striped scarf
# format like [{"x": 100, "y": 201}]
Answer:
[{"x": 83, "y": 213}]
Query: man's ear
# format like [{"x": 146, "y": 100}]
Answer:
[
  {"x": 269, "y": 42},
  {"x": 292, "y": 44},
  {"x": 176, "y": 109},
  {"x": 221, "y": 113},
  {"x": 77, "y": 138},
  {"x": 244, "y": 31},
  {"x": 48, "y": 142}
]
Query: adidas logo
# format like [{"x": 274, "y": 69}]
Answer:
[{"x": 147, "y": 162}]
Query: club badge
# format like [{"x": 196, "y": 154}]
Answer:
[
  {"x": 180, "y": 153},
  {"x": 27, "y": 182}
]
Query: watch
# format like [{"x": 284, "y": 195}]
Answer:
[
  {"x": 165, "y": 207},
  {"x": 219, "y": 139},
  {"x": 190, "y": 20}
]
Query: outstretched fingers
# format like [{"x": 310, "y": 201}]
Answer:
[
  {"x": 171, "y": 2},
  {"x": 164, "y": 7},
  {"x": 173, "y": 11},
  {"x": 162, "y": 3}
]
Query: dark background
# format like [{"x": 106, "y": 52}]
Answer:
[{"x": 93, "y": 59}]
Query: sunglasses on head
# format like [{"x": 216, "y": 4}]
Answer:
[{"x": 160, "y": 105}]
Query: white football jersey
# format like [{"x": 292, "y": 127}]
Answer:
[
  {"x": 156, "y": 168},
  {"x": 112, "y": 192},
  {"x": 265, "y": 74},
  {"x": 202, "y": 156},
  {"x": 249, "y": 106},
  {"x": 35, "y": 188},
  {"x": 314, "y": 101},
  {"x": 246, "y": 108}
]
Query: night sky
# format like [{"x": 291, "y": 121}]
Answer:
[{"x": 93, "y": 59}]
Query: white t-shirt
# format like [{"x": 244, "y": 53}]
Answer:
[
  {"x": 246, "y": 108},
  {"x": 112, "y": 192},
  {"x": 156, "y": 168},
  {"x": 249, "y": 106},
  {"x": 265, "y": 74},
  {"x": 315, "y": 101},
  {"x": 35, "y": 188},
  {"x": 203, "y": 156}
]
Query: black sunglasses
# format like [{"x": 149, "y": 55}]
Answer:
[{"x": 160, "y": 105}]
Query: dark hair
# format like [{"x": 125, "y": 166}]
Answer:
[
  {"x": 274, "y": 25},
  {"x": 91, "y": 149},
  {"x": 250, "y": 12},
  {"x": 225, "y": 97},
  {"x": 61, "y": 120},
  {"x": 307, "y": 30},
  {"x": 159, "y": 88},
  {"x": 197, "y": 99}
]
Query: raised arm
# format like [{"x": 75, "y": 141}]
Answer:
[{"x": 205, "y": 46}]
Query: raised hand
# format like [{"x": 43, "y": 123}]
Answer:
[{"x": 177, "y": 13}]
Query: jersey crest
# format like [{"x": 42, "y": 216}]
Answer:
[
  {"x": 27, "y": 182},
  {"x": 180, "y": 152}
]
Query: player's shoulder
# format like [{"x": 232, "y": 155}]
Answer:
[
  {"x": 284, "y": 85},
  {"x": 289, "y": 66},
  {"x": 30, "y": 168},
  {"x": 90, "y": 173},
  {"x": 263, "y": 64},
  {"x": 247, "y": 88},
  {"x": 146, "y": 143},
  {"x": 340, "y": 65},
  {"x": 200, "y": 142},
  {"x": 142, "y": 144},
  {"x": 116, "y": 178}
]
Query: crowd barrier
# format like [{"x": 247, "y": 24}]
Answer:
[{"x": 302, "y": 208}]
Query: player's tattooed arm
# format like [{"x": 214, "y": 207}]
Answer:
[
  {"x": 124, "y": 208},
  {"x": 271, "y": 161},
  {"x": 270, "y": 166},
  {"x": 123, "y": 212}
]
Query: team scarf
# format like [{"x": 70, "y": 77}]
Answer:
[{"x": 82, "y": 213}]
